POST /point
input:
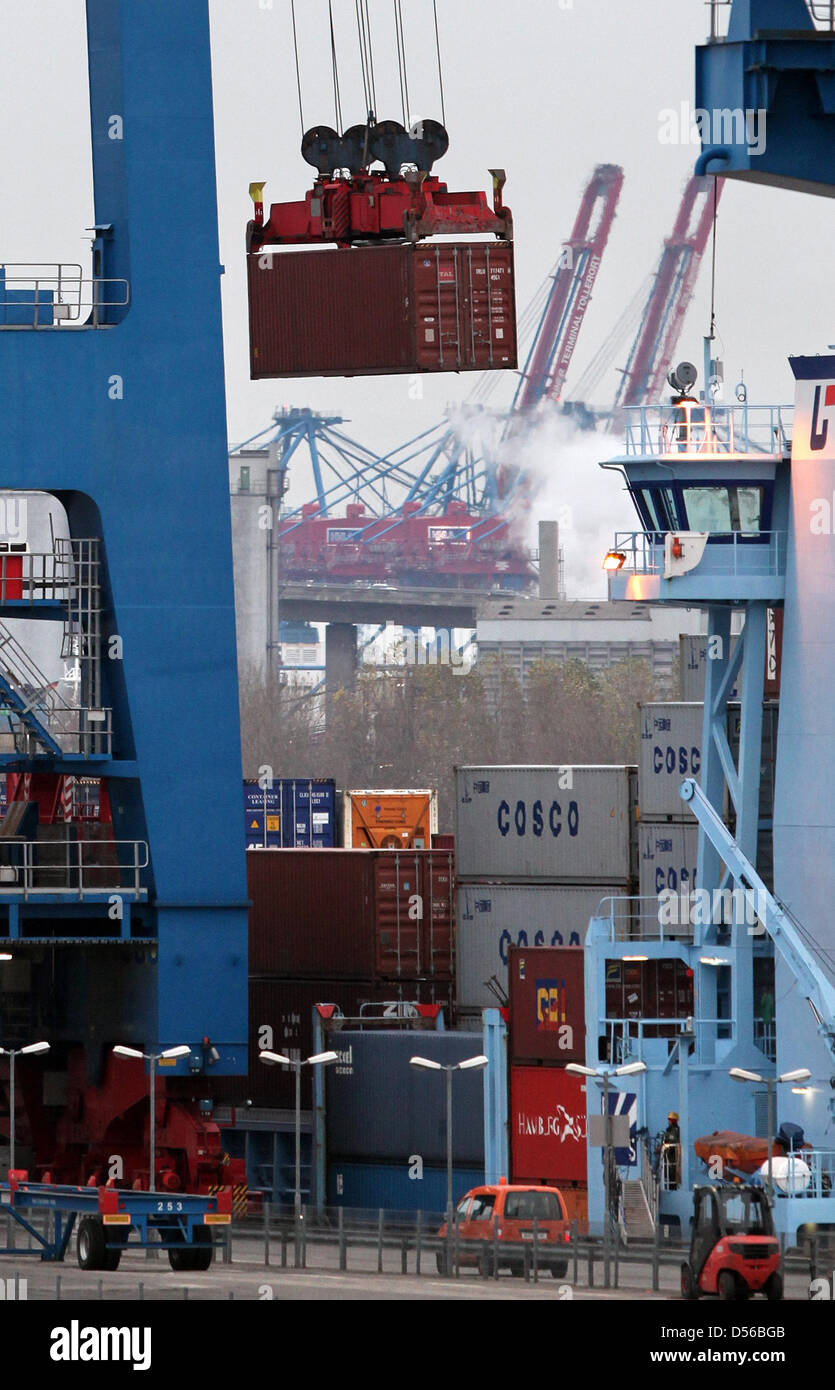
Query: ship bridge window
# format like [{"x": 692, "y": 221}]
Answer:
[{"x": 724, "y": 509}]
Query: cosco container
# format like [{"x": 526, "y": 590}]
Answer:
[
  {"x": 547, "y": 1125},
  {"x": 389, "y": 819},
  {"x": 493, "y": 917},
  {"x": 693, "y": 659},
  {"x": 670, "y": 750},
  {"x": 551, "y": 824},
  {"x": 547, "y": 1004},
  {"x": 281, "y": 1020},
  {"x": 440, "y": 307},
  {"x": 292, "y": 813},
  {"x": 667, "y": 852},
  {"x": 355, "y": 914},
  {"x": 378, "y": 1106}
]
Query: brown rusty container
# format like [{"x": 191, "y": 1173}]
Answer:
[
  {"x": 281, "y": 1020},
  {"x": 351, "y": 914},
  {"x": 375, "y": 310},
  {"x": 547, "y": 1004}
]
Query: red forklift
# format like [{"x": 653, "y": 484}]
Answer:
[{"x": 733, "y": 1249}]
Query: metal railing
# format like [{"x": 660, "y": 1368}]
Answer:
[
  {"x": 705, "y": 431},
  {"x": 58, "y": 866},
  {"x": 36, "y": 294},
  {"x": 625, "y": 1037},
  {"x": 739, "y": 554},
  {"x": 821, "y": 11},
  {"x": 640, "y": 919}
]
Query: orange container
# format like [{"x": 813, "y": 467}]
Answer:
[{"x": 389, "y": 819}]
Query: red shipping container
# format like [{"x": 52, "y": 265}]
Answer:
[
  {"x": 372, "y": 310},
  {"x": 352, "y": 913},
  {"x": 547, "y": 1004},
  {"x": 547, "y": 1125}
]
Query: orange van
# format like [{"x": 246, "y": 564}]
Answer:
[{"x": 504, "y": 1214}]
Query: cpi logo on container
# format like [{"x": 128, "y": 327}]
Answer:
[{"x": 550, "y": 1011}]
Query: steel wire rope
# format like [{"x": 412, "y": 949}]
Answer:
[
  {"x": 440, "y": 63},
  {"x": 337, "y": 103},
  {"x": 298, "y": 68},
  {"x": 361, "y": 15},
  {"x": 401, "y": 60},
  {"x": 372, "y": 80}
]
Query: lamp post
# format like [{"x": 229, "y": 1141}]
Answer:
[
  {"x": 318, "y": 1059},
  {"x": 153, "y": 1058},
  {"x": 800, "y": 1075},
  {"x": 32, "y": 1050},
  {"x": 470, "y": 1064},
  {"x": 603, "y": 1074}
]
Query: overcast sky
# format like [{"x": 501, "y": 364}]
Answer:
[{"x": 545, "y": 88}]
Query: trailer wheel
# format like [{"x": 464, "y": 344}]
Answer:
[
  {"x": 113, "y": 1257},
  {"x": 202, "y": 1252},
  {"x": 197, "y": 1257},
  {"x": 89, "y": 1244}
]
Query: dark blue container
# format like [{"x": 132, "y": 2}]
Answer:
[
  {"x": 308, "y": 814},
  {"x": 373, "y": 1186},
  {"x": 293, "y": 813},
  {"x": 379, "y": 1107}
]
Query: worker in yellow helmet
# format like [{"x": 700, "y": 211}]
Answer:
[{"x": 671, "y": 1152}]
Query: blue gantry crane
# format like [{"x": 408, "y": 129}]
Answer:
[{"x": 125, "y": 369}]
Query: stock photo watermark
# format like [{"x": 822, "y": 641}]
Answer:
[{"x": 723, "y": 126}]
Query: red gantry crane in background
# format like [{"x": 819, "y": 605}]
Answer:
[
  {"x": 543, "y": 376},
  {"x": 653, "y": 350}
]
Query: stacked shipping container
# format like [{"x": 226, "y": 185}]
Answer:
[
  {"x": 386, "y": 1120},
  {"x": 537, "y": 848},
  {"x": 547, "y": 1110},
  {"x": 344, "y": 927}
]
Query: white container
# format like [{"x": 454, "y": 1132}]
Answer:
[
  {"x": 693, "y": 666},
  {"x": 491, "y": 917},
  {"x": 667, "y": 853},
  {"x": 567, "y": 825},
  {"x": 670, "y": 750}
]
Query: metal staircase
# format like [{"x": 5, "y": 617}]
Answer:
[
  {"x": 638, "y": 1220},
  {"x": 30, "y": 702}
]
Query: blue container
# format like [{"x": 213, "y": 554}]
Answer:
[
  {"x": 293, "y": 813},
  {"x": 379, "y": 1107},
  {"x": 373, "y": 1186},
  {"x": 308, "y": 814}
]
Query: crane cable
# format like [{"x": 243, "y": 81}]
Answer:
[
  {"x": 713, "y": 266},
  {"x": 440, "y": 63},
  {"x": 298, "y": 69},
  {"x": 401, "y": 61},
  {"x": 335, "y": 67},
  {"x": 369, "y": 86}
]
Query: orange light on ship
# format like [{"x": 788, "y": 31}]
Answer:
[{"x": 615, "y": 560}]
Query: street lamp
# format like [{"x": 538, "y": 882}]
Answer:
[
  {"x": 11, "y": 1052},
  {"x": 153, "y": 1058},
  {"x": 801, "y": 1074},
  {"x": 274, "y": 1059},
  {"x": 603, "y": 1073},
  {"x": 470, "y": 1064}
]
